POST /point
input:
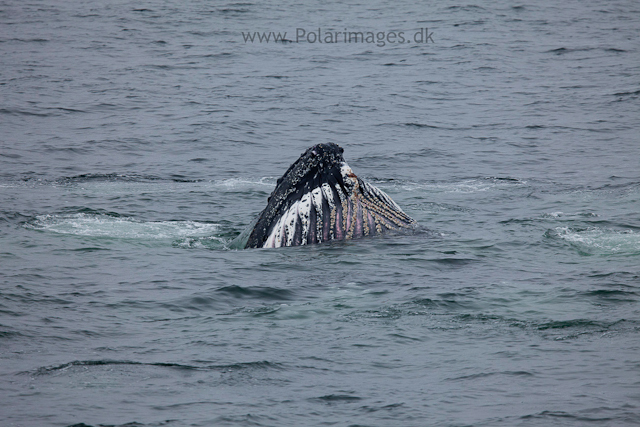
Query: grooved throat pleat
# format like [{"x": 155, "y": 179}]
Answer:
[
  {"x": 311, "y": 234},
  {"x": 297, "y": 233},
  {"x": 343, "y": 210},
  {"x": 304, "y": 210},
  {"x": 337, "y": 225},
  {"x": 378, "y": 202},
  {"x": 290, "y": 225},
  {"x": 316, "y": 197},
  {"x": 331, "y": 211},
  {"x": 351, "y": 222},
  {"x": 365, "y": 221}
]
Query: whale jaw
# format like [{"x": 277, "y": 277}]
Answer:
[{"x": 320, "y": 199}]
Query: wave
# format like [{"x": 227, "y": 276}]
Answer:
[
  {"x": 45, "y": 370},
  {"x": 449, "y": 313},
  {"x": 256, "y": 292}
]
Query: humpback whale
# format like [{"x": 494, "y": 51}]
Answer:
[{"x": 320, "y": 199}]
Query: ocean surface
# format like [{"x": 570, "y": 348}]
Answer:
[{"x": 138, "y": 139}]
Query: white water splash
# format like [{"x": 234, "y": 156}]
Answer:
[
  {"x": 243, "y": 183},
  {"x": 595, "y": 240},
  {"x": 97, "y": 225},
  {"x": 569, "y": 215},
  {"x": 467, "y": 186},
  {"x": 136, "y": 187}
]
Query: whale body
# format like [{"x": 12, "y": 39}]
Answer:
[{"x": 320, "y": 199}]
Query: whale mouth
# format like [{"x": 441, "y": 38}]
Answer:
[{"x": 320, "y": 199}]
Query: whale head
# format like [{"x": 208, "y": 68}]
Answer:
[{"x": 319, "y": 199}]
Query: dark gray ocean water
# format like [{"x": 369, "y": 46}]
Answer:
[{"x": 138, "y": 139}]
